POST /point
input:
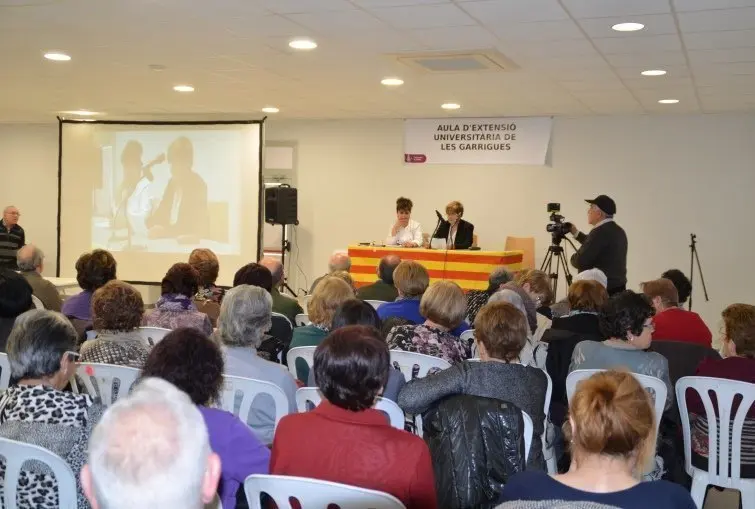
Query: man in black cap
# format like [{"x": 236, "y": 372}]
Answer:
[{"x": 605, "y": 247}]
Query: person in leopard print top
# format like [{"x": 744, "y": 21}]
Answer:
[
  {"x": 117, "y": 310},
  {"x": 38, "y": 411}
]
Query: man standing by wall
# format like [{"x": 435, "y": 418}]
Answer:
[{"x": 12, "y": 237}]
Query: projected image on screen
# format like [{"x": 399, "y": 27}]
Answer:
[{"x": 169, "y": 191}]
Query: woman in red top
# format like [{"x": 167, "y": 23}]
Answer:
[
  {"x": 344, "y": 439},
  {"x": 671, "y": 322}
]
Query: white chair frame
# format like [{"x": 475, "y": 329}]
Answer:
[
  {"x": 250, "y": 388},
  {"x": 4, "y": 371},
  {"x": 302, "y": 320},
  {"x": 37, "y": 302},
  {"x": 153, "y": 335},
  {"x": 300, "y": 352},
  {"x": 312, "y": 395},
  {"x": 314, "y": 494},
  {"x": 281, "y": 315},
  {"x": 720, "y": 438},
  {"x": 528, "y": 433},
  {"x": 105, "y": 374},
  {"x": 375, "y": 303}
]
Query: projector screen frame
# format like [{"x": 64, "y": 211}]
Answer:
[{"x": 260, "y": 177}]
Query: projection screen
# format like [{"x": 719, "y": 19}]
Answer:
[{"x": 151, "y": 193}]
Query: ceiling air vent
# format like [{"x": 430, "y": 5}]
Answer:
[{"x": 457, "y": 62}]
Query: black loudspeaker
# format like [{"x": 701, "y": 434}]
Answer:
[{"x": 281, "y": 205}]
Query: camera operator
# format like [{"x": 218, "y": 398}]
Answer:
[{"x": 605, "y": 247}]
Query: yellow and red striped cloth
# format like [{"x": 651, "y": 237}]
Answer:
[{"x": 469, "y": 269}]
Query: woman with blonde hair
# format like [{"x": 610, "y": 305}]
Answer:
[
  {"x": 611, "y": 429},
  {"x": 458, "y": 233}
]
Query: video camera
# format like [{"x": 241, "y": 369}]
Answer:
[{"x": 558, "y": 228}]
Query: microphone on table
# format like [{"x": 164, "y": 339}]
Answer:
[
  {"x": 440, "y": 216},
  {"x": 437, "y": 227}
]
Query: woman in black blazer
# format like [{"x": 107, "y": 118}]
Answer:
[{"x": 459, "y": 234}]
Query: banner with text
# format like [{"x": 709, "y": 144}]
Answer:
[{"x": 477, "y": 140}]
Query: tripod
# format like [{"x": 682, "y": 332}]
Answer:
[
  {"x": 557, "y": 251},
  {"x": 693, "y": 257},
  {"x": 285, "y": 246}
]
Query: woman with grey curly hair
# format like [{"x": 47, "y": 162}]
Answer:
[{"x": 245, "y": 316}]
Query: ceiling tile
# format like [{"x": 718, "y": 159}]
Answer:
[
  {"x": 655, "y": 24},
  {"x": 650, "y": 60},
  {"x": 639, "y": 44},
  {"x": 302, "y": 6},
  {"x": 493, "y": 12},
  {"x": 662, "y": 83},
  {"x": 673, "y": 72},
  {"x": 733, "y": 68},
  {"x": 719, "y": 40},
  {"x": 341, "y": 21},
  {"x": 719, "y": 56},
  {"x": 609, "y": 8},
  {"x": 540, "y": 31},
  {"x": 455, "y": 38},
  {"x": 725, "y": 19},
  {"x": 705, "y": 5},
  {"x": 370, "y": 4},
  {"x": 424, "y": 16},
  {"x": 567, "y": 48}
]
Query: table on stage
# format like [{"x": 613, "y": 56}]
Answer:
[{"x": 469, "y": 269}]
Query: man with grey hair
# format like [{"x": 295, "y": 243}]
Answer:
[
  {"x": 478, "y": 298},
  {"x": 151, "y": 450},
  {"x": 244, "y": 318},
  {"x": 339, "y": 260},
  {"x": 282, "y": 304},
  {"x": 12, "y": 237},
  {"x": 382, "y": 289},
  {"x": 30, "y": 261}
]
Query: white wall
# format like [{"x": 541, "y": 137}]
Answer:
[{"x": 670, "y": 175}]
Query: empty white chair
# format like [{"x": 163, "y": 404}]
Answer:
[
  {"x": 375, "y": 303},
  {"x": 407, "y": 360},
  {"x": 312, "y": 395},
  {"x": 528, "y": 432},
  {"x": 153, "y": 335},
  {"x": 314, "y": 494},
  {"x": 301, "y": 320},
  {"x": 307, "y": 353},
  {"x": 16, "y": 453},
  {"x": 4, "y": 371},
  {"x": 249, "y": 389},
  {"x": 37, "y": 303},
  {"x": 724, "y": 434},
  {"x": 99, "y": 380},
  {"x": 654, "y": 385}
]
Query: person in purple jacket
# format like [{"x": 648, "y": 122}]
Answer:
[{"x": 192, "y": 362}]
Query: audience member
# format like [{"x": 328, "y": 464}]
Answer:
[
  {"x": 30, "y": 260},
  {"x": 476, "y": 299},
  {"x": 585, "y": 298},
  {"x": 500, "y": 332},
  {"x": 175, "y": 308},
  {"x": 346, "y": 277},
  {"x": 612, "y": 435},
  {"x": 670, "y": 321},
  {"x": 282, "y": 303},
  {"x": 339, "y": 260},
  {"x": 93, "y": 270},
  {"x": 193, "y": 363},
  {"x": 738, "y": 349},
  {"x": 533, "y": 352},
  {"x": 209, "y": 295},
  {"x": 117, "y": 310},
  {"x": 533, "y": 286},
  {"x": 344, "y": 439},
  {"x": 382, "y": 289},
  {"x": 37, "y": 410},
  {"x": 411, "y": 280},
  {"x": 561, "y": 307},
  {"x": 626, "y": 320},
  {"x": 444, "y": 305},
  {"x": 358, "y": 312},
  {"x": 15, "y": 298},
  {"x": 151, "y": 450},
  {"x": 329, "y": 294},
  {"x": 254, "y": 274},
  {"x": 244, "y": 318},
  {"x": 682, "y": 284}
]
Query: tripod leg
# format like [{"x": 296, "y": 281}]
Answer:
[{"x": 700, "y": 270}]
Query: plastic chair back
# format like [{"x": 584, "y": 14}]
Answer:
[
  {"x": 307, "y": 395},
  {"x": 314, "y": 494},
  {"x": 249, "y": 389},
  {"x": 302, "y": 320},
  {"x": 526, "y": 244},
  {"x": 528, "y": 432},
  {"x": 4, "y": 371},
  {"x": 105, "y": 376},
  {"x": 306, "y": 353},
  {"x": 37, "y": 303},
  {"x": 406, "y": 362},
  {"x": 153, "y": 335},
  {"x": 375, "y": 303},
  {"x": 17, "y": 453}
]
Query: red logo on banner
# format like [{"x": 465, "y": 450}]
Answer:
[{"x": 415, "y": 158}]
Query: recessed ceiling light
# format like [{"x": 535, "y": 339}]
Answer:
[
  {"x": 57, "y": 56},
  {"x": 183, "y": 88},
  {"x": 654, "y": 72},
  {"x": 82, "y": 113},
  {"x": 668, "y": 101},
  {"x": 392, "y": 82},
  {"x": 303, "y": 44},
  {"x": 628, "y": 27},
  {"x": 450, "y": 106},
  {"x": 270, "y": 109}
]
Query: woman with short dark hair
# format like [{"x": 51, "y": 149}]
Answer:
[
  {"x": 117, "y": 310},
  {"x": 193, "y": 363},
  {"x": 175, "y": 308},
  {"x": 404, "y": 231},
  {"x": 354, "y": 443},
  {"x": 254, "y": 274},
  {"x": 93, "y": 270}
]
